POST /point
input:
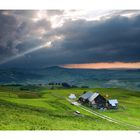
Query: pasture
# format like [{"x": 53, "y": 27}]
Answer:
[{"x": 48, "y": 109}]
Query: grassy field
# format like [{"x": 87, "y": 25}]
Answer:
[{"x": 51, "y": 110}]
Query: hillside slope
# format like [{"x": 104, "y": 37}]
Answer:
[{"x": 53, "y": 112}]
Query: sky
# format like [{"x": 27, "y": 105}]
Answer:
[{"x": 70, "y": 38}]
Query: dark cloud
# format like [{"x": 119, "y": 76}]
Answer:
[
  {"x": 18, "y": 32},
  {"x": 116, "y": 38},
  {"x": 7, "y": 35}
]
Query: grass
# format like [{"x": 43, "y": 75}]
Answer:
[{"x": 52, "y": 111}]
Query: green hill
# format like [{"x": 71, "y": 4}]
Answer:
[{"x": 52, "y": 111}]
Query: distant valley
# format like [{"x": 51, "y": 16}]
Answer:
[{"x": 117, "y": 78}]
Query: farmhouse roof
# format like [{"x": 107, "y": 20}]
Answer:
[
  {"x": 93, "y": 96},
  {"x": 113, "y": 102},
  {"x": 86, "y": 95}
]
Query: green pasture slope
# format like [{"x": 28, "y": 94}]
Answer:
[{"x": 52, "y": 111}]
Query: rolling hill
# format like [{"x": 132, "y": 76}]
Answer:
[
  {"x": 52, "y": 111},
  {"x": 121, "y": 78}
]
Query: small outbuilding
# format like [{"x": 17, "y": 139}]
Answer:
[
  {"x": 72, "y": 96},
  {"x": 113, "y": 104}
]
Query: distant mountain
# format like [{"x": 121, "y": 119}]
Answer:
[{"x": 123, "y": 78}]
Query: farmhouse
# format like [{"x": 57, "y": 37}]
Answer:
[
  {"x": 93, "y": 99},
  {"x": 113, "y": 104}
]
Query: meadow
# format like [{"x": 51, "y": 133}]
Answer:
[{"x": 48, "y": 109}]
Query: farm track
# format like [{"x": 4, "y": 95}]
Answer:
[
  {"x": 106, "y": 117},
  {"x": 109, "y": 118}
]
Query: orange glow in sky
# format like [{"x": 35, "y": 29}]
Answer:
[{"x": 104, "y": 65}]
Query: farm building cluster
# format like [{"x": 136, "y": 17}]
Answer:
[{"x": 96, "y": 100}]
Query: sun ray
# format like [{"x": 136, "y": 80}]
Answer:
[{"x": 46, "y": 45}]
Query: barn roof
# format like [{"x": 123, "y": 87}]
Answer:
[
  {"x": 86, "y": 95},
  {"x": 93, "y": 96},
  {"x": 113, "y": 102}
]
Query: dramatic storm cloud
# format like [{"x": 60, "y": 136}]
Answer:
[{"x": 57, "y": 37}]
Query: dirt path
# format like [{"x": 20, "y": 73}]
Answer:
[
  {"x": 109, "y": 118},
  {"x": 106, "y": 117}
]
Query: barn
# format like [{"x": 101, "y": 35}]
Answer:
[
  {"x": 84, "y": 98},
  {"x": 93, "y": 99}
]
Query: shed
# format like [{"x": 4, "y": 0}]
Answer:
[
  {"x": 72, "y": 96},
  {"x": 113, "y": 103}
]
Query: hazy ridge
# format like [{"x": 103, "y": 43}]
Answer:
[{"x": 122, "y": 78}]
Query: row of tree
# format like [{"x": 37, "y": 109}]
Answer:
[{"x": 66, "y": 85}]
